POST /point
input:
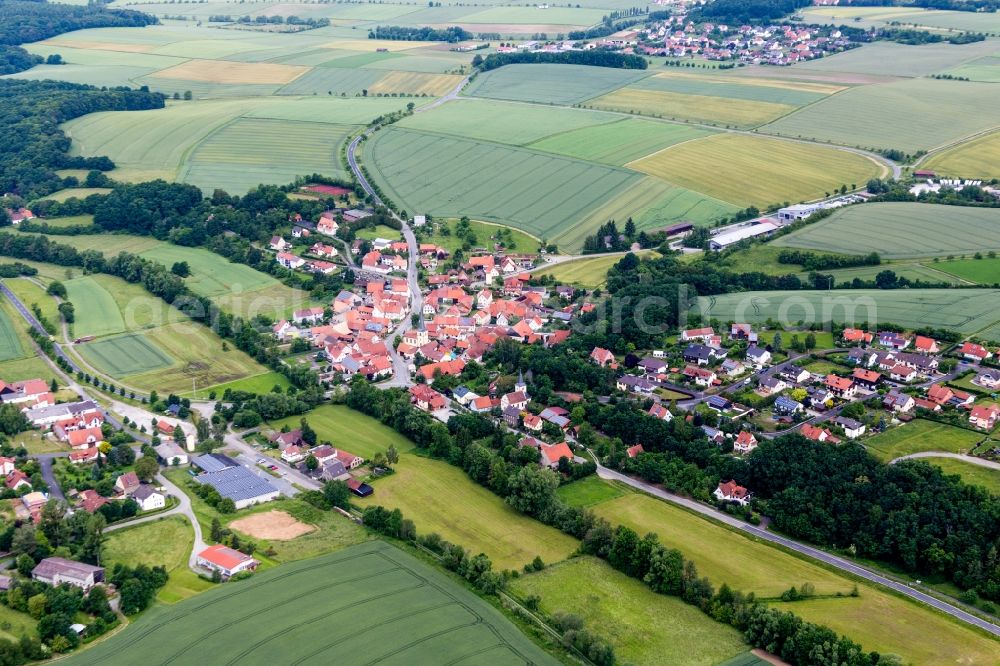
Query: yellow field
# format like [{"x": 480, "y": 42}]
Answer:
[
  {"x": 750, "y": 170},
  {"x": 804, "y": 86},
  {"x": 415, "y": 83},
  {"x": 589, "y": 273},
  {"x": 104, "y": 46},
  {"x": 225, "y": 71},
  {"x": 979, "y": 158},
  {"x": 720, "y": 111},
  {"x": 370, "y": 45}
]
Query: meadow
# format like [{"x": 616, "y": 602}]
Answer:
[
  {"x": 18, "y": 360},
  {"x": 589, "y": 273},
  {"x": 901, "y": 230},
  {"x": 550, "y": 84},
  {"x": 705, "y": 109},
  {"x": 10, "y": 344},
  {"x": 926, "y": 113},
  {"x": 922, "y": 435},
  {"x": 308, "y": 612},
  {"x": 95, "y": 310},
  {"x": 719, "y": 166},
  {"x": 588, "y": 491},
  {"x": 617, "y": 142},
  {"x": 978, "y": 158},
  {"x": 645, "y": 627},
  {"x": 540, "y": 193},
  {"x": 29, "y": 292},
  {"x": 125, "y": 355},
  {"x": 972, "y": 474},
  {"x": 351, "y": 430},
  {"x": 914, "y": 632},
  {"x": 522, "y": 242},
  {"x": 907, "y": 16},
  {"x": 440, "y": 498},
  {"x": 968, "y": 311}
]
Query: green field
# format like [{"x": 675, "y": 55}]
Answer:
[
  {"x": 10, "y": 344},
  {"x": 17, "y": 352},
  {"x": 921, "y": 435},
  {"x": 211, "y": 274},
  {"x": 914, "y": 632},
  {"x": 262, "y": 383},
  {"x": 719, "y": 111},
  {"x": 588, "y": 273},
  {"x": 523, "y": 243},
  {"x": 588, "y": 491},
  {"x": 95, "y": 310},
  {"x": 540, "y": 193},
  {"x": 974, "y": 475},
  {"x": 925, "y": 113},
  {"x": 503, "y": 122},
  {"x": 721, "y": 86},
  {"x": 979, "y": 158},
  {"x": 879, "y": 16},
  {"x": 440, "y": 498},
  {"x": 891, "y": 59},
  {"x": 31, "y": 293},
  {"x": 985, "y": 69},
  {"x": 981, "y": 271},
  {"x": 645, "y": 627},
  {"x": 901, "y": 230},
  {"x": 125, "y": 355},
  {"x": 372, "y": 599},
  {"x": 550, "y": 84},
  {"x": 618, "y": 142},
  {"x": 967, "y": 311},
  {"x": 782, "y": 170},
  {"x": 351, "y": 430}
]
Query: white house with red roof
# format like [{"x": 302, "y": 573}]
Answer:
[
  {"x": 551, "y": 453},
  {"x": 327, "y": 226},
  {"x": 705, "y": 334},
  {"x": 730, "y": 491},
  {"x": 817, "y": 434},
  {"x": 84, "y": 456},
  {"x": 289, "y": 260},
  {"x": 842, "y": 387},
  {"x": 19, "y": 215},
  {"x": 984, "y": 417},
  {"x": 426, "y": 398},
  {"x": 658, "y": 411},
  {"x": 602, "y": 357},
  {"x": 308, "y": 315},
  {"x": 516, "y": 399},
  {"x": 745, "y": 442},
  {"x": 635, "y": 450},
  {"x": 974, "y": 352},
  {"x": 857, "y": 336},
  {"x": 84, "y": 438},
  {"x": 226, "y": 560},
  {"x": 926, "y": 345}
]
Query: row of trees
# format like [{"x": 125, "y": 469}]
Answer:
[
  {"x": 593, "y": 57},
  {"x": 412, "y": 33},
  {"x": 813, "y": 261}
]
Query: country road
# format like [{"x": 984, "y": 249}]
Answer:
[
  {"x": 972, "y": 460},
  {"x": 813, "y": 553}
]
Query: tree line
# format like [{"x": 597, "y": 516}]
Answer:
[
  {"x": 815, "y": 261},
  {"x": 412, "y": 33},
  {"x": 593, "y": 57}
]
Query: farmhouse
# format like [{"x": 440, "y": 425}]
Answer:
[
  {"x": 855, "y": 335},
  {"x": 728, "y": 238},
  {"x": 551, "y": 453},
  {"x": 225, "y": 560},
  {"x": 703, "y": 334},
  {"x": 58, "y": 570}
]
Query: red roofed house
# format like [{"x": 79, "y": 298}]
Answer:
[
  {"x": 984, "y": 416},
  {"x": 660, "y": 412},
  {"x": 551, "y": 453},
  {"x": 166, "y": 429},
  {"x": 84, "y": 456},
  {"x": 697, "y": 334},
  {"x": 518, "y": 399},
  {"x": 602, "y": 357},
  {"x": 426, "y": 398},
  {"x": 926, "y": 345},
  {"x": 902, "y": 373},
  {"x": 225, "y": 560},
  {"x": 127, "y": 483},
  {"x": 16, "y": 478},
  {"x": 19, "y": 215},
  {"x": 443, "y": 368},
  {"x": 817, "y": 434},
  {"x": 532, "y": 422},
  {"x": 633, "y": 451},
  {"x": 483, "y": 404},
  {"x": 974, "y": 352},
  {"x": 745, "y": 442},
  {"x": 867, "y": 378},
  {"x": 85, "y": 438},
  {"x": 90, "y": 501},
  {"x": 349, "y": 460},
  {"x": 7, "y": 465},
  {"x": 730, "y": 491},
  {"x": 856, "y": 335},
  {"x": 842, "y": 387}
]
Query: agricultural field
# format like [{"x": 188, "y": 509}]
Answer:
[
  {"x": 901, "y": 230},
  {"x": 892, "y": 59},
  {"x": 351, "y": 430},
  {"x": 906, "y": 16},
  {"x": 308, "y": 612},
  {"x": 645, "y": 627},
  {"x": 980, "y": 271},
  {"x": 29, "y": 292},
  {"x": 440, "y": 498},
  {"x": 986, "y": 69},
  {"x": 522, "y": 242},
  {"x": 921, "y": 435},
  {"x": 10, "y": 344},
  {"x": 915, "y": 633},
  {"x": 797, "y": 93},
  {"x": 96, "y": 312},
  {"x": 972, "y": 474},
  {"x": 125, "y": 355},
  {"x": 967, "y": 311},
  {"x": 551, "y": 84},
  {"x": 617, "y": 142},
  {"x": 926, "y": 113},
  {"x": 978, "y": 158},
  {"x": 542, "y": 194},
  {"x": 588, "y": 491},
  {"x": 708, "y": 110},
  {"x": 18, "y": 360},
  {"x": 262, "y": 383},
  {"x": 589, "y": 273},
  {"x": 782, "y": 170},
  {"x": 77, "y": 192}
]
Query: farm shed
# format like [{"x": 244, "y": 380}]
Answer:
[
  {"x": 240, "y": 485},
  {"x": 728, "y": 238}
]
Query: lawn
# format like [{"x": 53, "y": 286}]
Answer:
[
  {"x": 824, "y": 339},
  {"x": 782, "y": 170},
  {"x": 925, "y": 113},
  {"x": 372, "y": 599},
  {"x": 915, "y": 633},
  {"x": 718, "y": 111},
  {"x": 166, "y": 542},
  {"x": 972, "y": 474},
  {"x": 440, "y": 498},
  {"x": 901, "y": 230},
  {"x": 588, "y": 491},
  {"x": 35, "y": 442},
  {"x": 618, "y": 142},
  {"x": 15, "y": 624},
  {"x": 588, "y": 273},
  {"x": 484, "y": 231},
  {"x": 978, "y": 158},
  {"x": 967, "y": 311},
  {"x": 645, "y": 627},
  {"x": 824, "y": 367},
  {"x": 922, "y": 435},
  {"x": 537, "y": 192},
  {"x": 262, "y": 383},
  {"x": 351, "y": 430},
  {"x": 551, "y": 84}
]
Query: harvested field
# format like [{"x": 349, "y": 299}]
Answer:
[
  {"x": 532, "y": 16},
  {"x": 782, "y": 170},
  {"x": 276, "y": 525},
  {"x": 226, "y": 71},
  {"x": 588, "y": 273},
  {"x": 415, "y": 83},
  {"x": 978, "y": 158},
  {"x": 901, "y": 230},
  {"x": 719, "y": 111},
  {"x": 555, "y": 84}
]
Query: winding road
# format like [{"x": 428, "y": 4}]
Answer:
[
  {"x": 813, "y": 553},
  {"x": 972, "y": 460}
]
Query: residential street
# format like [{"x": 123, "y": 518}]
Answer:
[{"x": 809, "y": 551}]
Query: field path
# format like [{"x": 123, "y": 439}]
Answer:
[{"x": 972, "y": 460}]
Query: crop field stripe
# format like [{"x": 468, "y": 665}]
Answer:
[
  {"x": 96, "y": 311},
  {"x": 125, "y": 355},
  {"x": 10, "y": 344},
  {"x": 707, "y": 109}
]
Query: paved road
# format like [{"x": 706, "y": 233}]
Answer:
[
  {"x": 808, "y": 551},
  {"x": 248, "y": 455},
  {"x": 50, "y": 478},
  {"x": 972, "y": 460}
]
